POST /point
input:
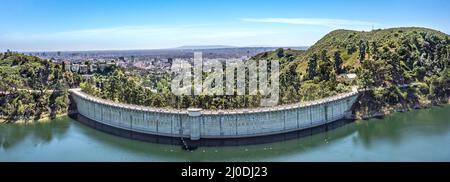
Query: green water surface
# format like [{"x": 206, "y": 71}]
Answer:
[{"x": 420, "y": 135}]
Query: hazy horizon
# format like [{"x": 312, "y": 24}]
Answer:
[
  {"x": 170, "y": 48},
  {"x": 48, "y": 25}
]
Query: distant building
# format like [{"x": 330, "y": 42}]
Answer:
[
  {"x": 84, "y": 69},
  {"x": 110, "y": 64},
  {"x": 93, "y": 68},
  {"x": 75, "y": 67},
  {"x": 102, "y": 66},
  {"x": 67, "y": 65}
]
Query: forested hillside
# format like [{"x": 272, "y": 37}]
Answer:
[
  {"x": 31, "y": 88},
  {"x": 399, "y": 67}
]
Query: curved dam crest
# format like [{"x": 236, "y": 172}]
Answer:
[{"x": 197, "y": 123}]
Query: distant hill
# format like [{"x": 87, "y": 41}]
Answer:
[
  {"x": 213, "y": 51},
  {"x": 347, "y": 43},
  {"x": 205, "y": 47}
]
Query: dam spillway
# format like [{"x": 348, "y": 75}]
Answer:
[{"x": 214, "y": 124}]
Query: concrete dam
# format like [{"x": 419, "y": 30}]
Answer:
[{"x": 211, "y": 124}]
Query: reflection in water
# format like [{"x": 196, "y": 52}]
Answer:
[
  {"x": 427, "y": 122},
  {"x": 393, "y": 138},
  {"x": 40, "y": 133},
  {"x": 209, "y": 142}
]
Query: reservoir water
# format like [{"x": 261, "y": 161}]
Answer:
[{"x": 419, "y": 135}]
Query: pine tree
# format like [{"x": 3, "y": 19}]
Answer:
[
  {"x": 312, "y": 67},
  {"x": 325, "y": 67},
  {"x": 338, "y": 63},
  {"x": 362, "y": 51}
]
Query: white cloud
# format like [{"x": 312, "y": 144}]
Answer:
[{"x": 333, "y": 23}]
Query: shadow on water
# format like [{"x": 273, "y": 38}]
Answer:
[
  {"x": 393, "y": 128},
  {"x": 189, "y": 145},
  {"x": 246, "y": 149},
  {"x": 39, "y": 132}
]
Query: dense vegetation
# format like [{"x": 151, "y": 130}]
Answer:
[
  {"x": 399, "y": 66},
  {"x": 126, "y": 87},
  {"x": 31, "y": 88},
  {"x": 131, "y": 86}
]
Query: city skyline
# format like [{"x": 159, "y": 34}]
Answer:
[{"x": 48, "y": 25}]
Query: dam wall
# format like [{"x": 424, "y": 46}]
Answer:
[{"x": 196, "y": 123}]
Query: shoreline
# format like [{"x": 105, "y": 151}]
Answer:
[
  {"x": 398, "y": 108},
  {"x": 45, "y": 119}
]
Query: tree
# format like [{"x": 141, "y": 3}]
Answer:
[
  {"x": 290, "y": 77},
  {"x": 312, "y": 67},
  {"x": 362, "y": 50},
  {"x": 280, "y": 52},
  {"x": 374, "y": 51},
  {"x": 291, "y": 95},
  {"x": 338, "y": 63},
  {"x": 366, "y": 74},
  {"x": 325, "y": 67},
  {"x": 350, "y": 48},
  {"x": 186, "y": 101},
  {"x": 420, "y": 73}
]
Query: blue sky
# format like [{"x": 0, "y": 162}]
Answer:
[{"x": 61, "y": 25}]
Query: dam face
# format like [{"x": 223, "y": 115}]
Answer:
[{"x": 196, "y": 123}]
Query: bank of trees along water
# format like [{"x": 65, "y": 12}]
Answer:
[
  {"x": 409, "y": 72},
  {"x": 31, "y": 88}
]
